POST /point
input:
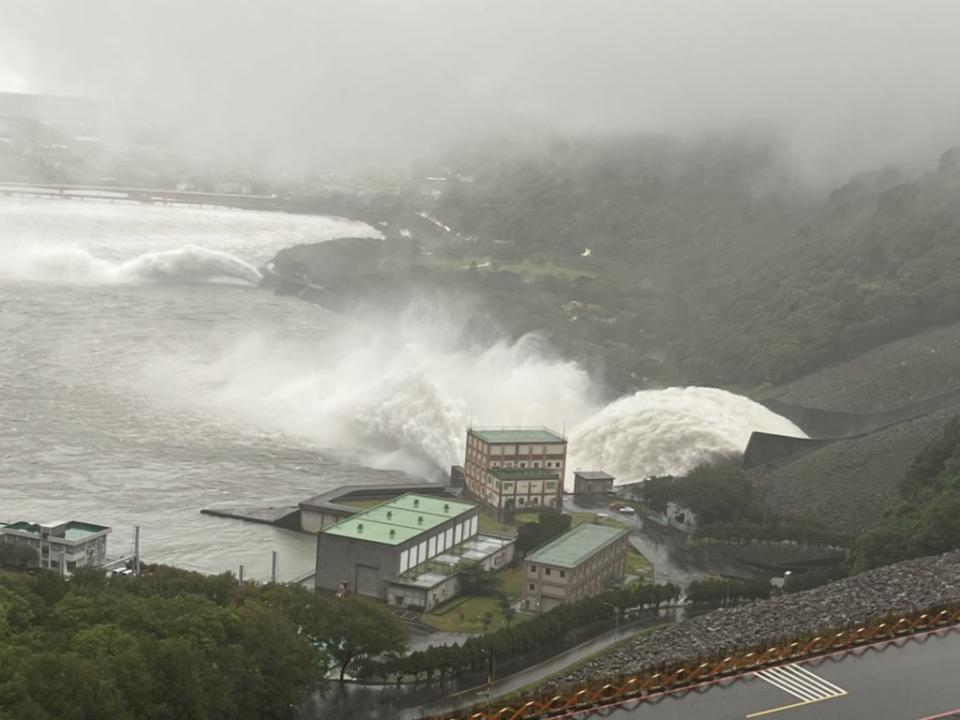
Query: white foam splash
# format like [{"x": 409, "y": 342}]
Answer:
[
  {"x": 670, "y": 431},
  {"x": 410, "y": 389},
  {"x": 74, "y": 264}
]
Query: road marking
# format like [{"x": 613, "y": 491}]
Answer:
[
  {"x": 948, "y": 714},
  {"x": 795, "y": 680}
]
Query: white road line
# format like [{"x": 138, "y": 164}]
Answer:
[
  {"x": 836, "y": 688},
  {"x": 801, "y": 683},
  {"x": 815, "y": 686},
  {"x": 787, "y": 686}
]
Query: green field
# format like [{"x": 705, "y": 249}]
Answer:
[
  {"x": 637, "y": 564},
  {"x": 466, "y": 614},
  {"x": 488, "y": 525},
  {"x": 578, "y": 518}
]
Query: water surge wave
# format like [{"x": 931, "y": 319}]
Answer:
[
  {"x": 409, "y": 391},
  {"x": 73, "y": 264}
]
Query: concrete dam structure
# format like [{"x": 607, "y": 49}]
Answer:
[{"x": 825, "y": 426}]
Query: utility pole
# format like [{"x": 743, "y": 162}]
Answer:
[
  {"x": 136, "y": 550},
  {"x": 273, "y": 567},
  {"x": 240, "y": 576}
]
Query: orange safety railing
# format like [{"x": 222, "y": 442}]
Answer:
[{"x": 605, "y": 692}]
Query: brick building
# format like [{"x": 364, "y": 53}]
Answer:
[
  {"x": 575, "y": 565},
  {"x": 511, "y": 469}
]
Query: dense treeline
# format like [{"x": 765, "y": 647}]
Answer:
[
  {"x": 474, "y": 654},
  {"x": 551, "y": 523},
  {"x": 174, "y": 645},
  {"x": 724, "y": 591},
  {"x": 728, "y": 507},
  {"x": 928, "y": 520}
]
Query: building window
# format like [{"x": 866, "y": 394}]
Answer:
[
  {"x": 520, "y": 501},
  {"x": 533, "y": 568},
  {"x": 531, "y": 587},
  {"x": 523, "y": 464},
  {"x": 551, "y": 485},
  {"x": 563, "y": 573},
  {"x": 546, "y": 571}
]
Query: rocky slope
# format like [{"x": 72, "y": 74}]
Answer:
[{"x": 903, "y": 587}]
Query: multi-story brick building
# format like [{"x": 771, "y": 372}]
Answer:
[
  {"x": 575, "y": 565},
  {"x": 509, "y": 469}
]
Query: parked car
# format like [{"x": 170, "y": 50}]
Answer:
[{"x": 627, "y": 510}]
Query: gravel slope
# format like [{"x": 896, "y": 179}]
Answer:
[{"x": 906, "y": 586}]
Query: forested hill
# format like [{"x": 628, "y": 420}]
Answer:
[
  {"x": 877, "y": 263},
  {"x": 710, "y": 251}
]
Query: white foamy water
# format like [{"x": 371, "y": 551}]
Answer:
[
  {"x": 670, "y": 431},
  {"x": 145, "y": 377}
]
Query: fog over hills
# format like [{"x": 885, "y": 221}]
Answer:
[{"x": 848, "y": 86}]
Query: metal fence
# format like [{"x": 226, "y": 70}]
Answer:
[{"x": 603, "y": 693}]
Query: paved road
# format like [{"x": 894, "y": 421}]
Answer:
[{"x": 912, "y": 680}]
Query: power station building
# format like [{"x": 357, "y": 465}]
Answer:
[
  {"x": 407, "y": 551},
  {"x": 515, "y": 469},
  {"x": 575, "y": 565}
]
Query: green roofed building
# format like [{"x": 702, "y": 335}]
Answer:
[
  {"x": 406, "y": 551},
  {"x": 62, "y": 546},
  {"x": 515, "y": 469},
  {"x": 578, "y": 564}
]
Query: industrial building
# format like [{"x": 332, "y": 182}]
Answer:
[
  {"x": 578, "y": 564},
  {"x": 592, "y": 483},
  {"x": 62, "y": 546},
  {"x": 407, "y": 551},
  {"x": 509, "y": 469}
]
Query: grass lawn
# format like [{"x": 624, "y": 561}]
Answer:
[
  {"x": 511, "y": 582},
  {"x": 637, "y": 564},
  {"x": 489, "y": 525},
  {"x": 467, "y": 616},
  {"x": 578, "y": 518}
]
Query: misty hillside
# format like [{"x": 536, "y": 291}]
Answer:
[
  {"x": 709, "y": 254},
  {"x": 876, "y": 264}
]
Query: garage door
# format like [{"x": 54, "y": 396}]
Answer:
[{"x": 368, "y": 580}]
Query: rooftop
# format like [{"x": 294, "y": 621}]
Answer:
[
  {"x": 72, "y": 530},
  {"x": 593, "y": 475},
  {"x": 406, "y": 516},
  {"x": 524, "y": 474},
  {"x": 575, "y": 546},
  {"x": 517, "y": 435},
  {"x": 435, "y": 570}
]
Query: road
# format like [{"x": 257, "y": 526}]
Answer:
[
  {"x": 535, "y": 673},
  {"x": 916, "y": 679}
]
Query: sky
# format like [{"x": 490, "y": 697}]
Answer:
[{"x": 847, "y": 84}]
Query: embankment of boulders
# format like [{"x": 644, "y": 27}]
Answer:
[{"x": 913, "y": 585}]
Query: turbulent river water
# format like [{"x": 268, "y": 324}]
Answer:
[{"x": 144, "y": 376}]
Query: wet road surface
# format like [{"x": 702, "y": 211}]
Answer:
[{"x": 916, "y": 679}]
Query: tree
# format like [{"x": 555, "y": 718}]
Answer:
[
  {"x": 16, "y": 556},
  {"x": 360, "y": 628},
  {"x": 474, "y": 580},
  {"x": 550, "y": 524}
]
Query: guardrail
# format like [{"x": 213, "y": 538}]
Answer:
[{"x": 598, "y": 695}]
